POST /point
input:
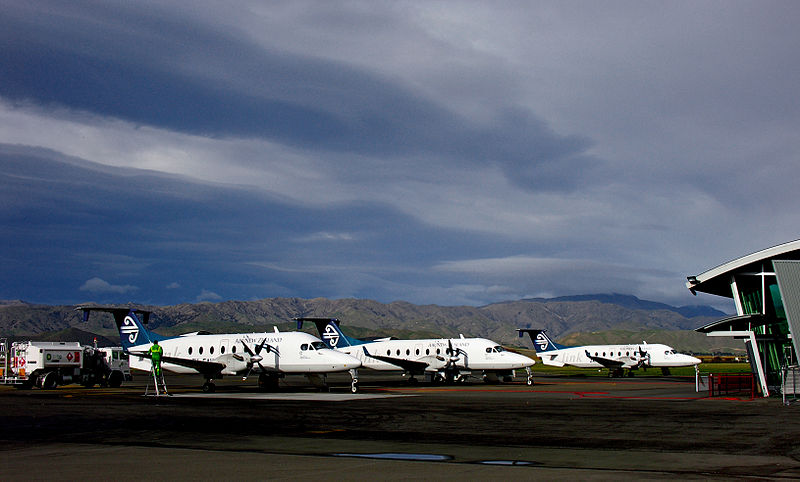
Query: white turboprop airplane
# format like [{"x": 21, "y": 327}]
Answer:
[
  {"x": 616, "y": 358},
  {"x": 444, "y": 359},
  {"x": 271, "y": 355}
]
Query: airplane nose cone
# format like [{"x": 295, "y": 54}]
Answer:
[
  {"x": 520, "y": 361},
  {"x": 343, "y": 361},
  {"x": 692, "y": 360}
]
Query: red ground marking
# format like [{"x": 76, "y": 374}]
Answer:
[{"x": 580, "y": 394}]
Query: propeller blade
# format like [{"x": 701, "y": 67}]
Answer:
[
  {"x": 255, "y": 358},
  {"x": 247, "y": 348},
  {"x": 452, "y": 352},
  {"x": 261, "y": 346}
]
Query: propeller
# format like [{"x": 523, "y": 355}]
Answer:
[
  {"x": 454, "y": 354},
  {"x": 644, "y": 357},
  {"x": 255, "y": 357}
]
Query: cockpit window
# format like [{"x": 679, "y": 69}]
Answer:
[
  {"x": 304, "y": 346},
  {"x": 488, "y": 349},
  {"x": 498, "y": 349},
  {"x": 318, "y": 345}
]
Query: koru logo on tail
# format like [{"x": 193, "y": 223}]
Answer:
[
  {"x": 331, "y": 335},
  {"x": 129, "y": 328},
  {"x": 542, "y": 342}
]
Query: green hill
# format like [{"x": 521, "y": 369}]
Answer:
[{"x": 618, "y": 317}]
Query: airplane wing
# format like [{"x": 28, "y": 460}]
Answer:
[
  {"x": 407, "y": 365},
  {"x": 207, "y": 368},
  {"x": 606, "y": 362}
]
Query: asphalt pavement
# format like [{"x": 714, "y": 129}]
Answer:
[{"x": 576, "y": 427}]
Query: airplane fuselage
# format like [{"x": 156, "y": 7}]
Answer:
[
  {"x": 297, "y": 352},
  {"x": 473, "y": 354},
  {"x": 630, "y": 356}
]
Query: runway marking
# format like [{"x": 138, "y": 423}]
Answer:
[
  {"x": 327, "y": 397},
  {"x": 399, "y": 456}
]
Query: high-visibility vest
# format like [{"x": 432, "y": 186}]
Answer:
[{"x": 156, "y": 351}]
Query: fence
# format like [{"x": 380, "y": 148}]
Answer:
[{"x": 732, "y": 384}]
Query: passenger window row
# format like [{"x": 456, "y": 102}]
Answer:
[
  {"x": 408, "y": 352},
  {"x": 211, "y": 350}
]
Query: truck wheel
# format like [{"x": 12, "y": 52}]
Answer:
[
  {"x": 49, "y": 380},
  {"x": 115, "y": 379}
]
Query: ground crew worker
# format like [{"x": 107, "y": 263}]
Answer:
[{"x": 155, "y": 355}]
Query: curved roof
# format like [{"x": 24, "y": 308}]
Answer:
[
  {"x": 716, "y": 281},
  {"x": 733, "y": 323}
]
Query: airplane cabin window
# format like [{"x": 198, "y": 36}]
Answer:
[
  {"x": 388, "y": 352},
  {"x": 408, "y": 352},
  {"x": 190, "y": 350},
  {"x": 417, "y": 351},
  {"x": 222, "y": 349},
  {"x": 200, "y": 350},
  {"x": 437, "y": 351},
  {"x": 398, "y": 352},
  {"x": 211, "y": 350},
  {"x": 427, "y": 351},
  {"x": 233, "y": 349}
]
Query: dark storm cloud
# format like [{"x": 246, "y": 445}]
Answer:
[
  {"x": 391, "y": 150},
  {"x": 110, "y": 234},
  {"x": 155, "y": 68}
]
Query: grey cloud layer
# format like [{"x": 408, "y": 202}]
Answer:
[
  {"x": 394, "y": 150},
  {"x": 190, "y": 78}
]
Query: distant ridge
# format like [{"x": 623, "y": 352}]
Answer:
[
  {"x": 632, "y": 302},
  {"x": 368, "y": 318}
]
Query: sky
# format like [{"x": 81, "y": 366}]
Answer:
[{"x": 436, "y": 152}]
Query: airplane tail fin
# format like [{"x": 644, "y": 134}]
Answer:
[
  {"x": 132, "y": 331},
  {"x": 541, "y": 342},
  {"x": 329, "y": 332}
]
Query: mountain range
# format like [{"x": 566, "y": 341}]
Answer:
[
  {"x": 623, "y": 318},
  {"x": 602, "y": 318}
]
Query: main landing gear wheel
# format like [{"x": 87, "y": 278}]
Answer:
[
  {"x": 530, "y": 381},
  {"x": 209, "y": 387},
  {"x": 354, "y": 386},
  {"x": 268, "y": 383}
]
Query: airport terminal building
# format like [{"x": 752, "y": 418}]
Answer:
[{"x": 765, "y": 287}]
